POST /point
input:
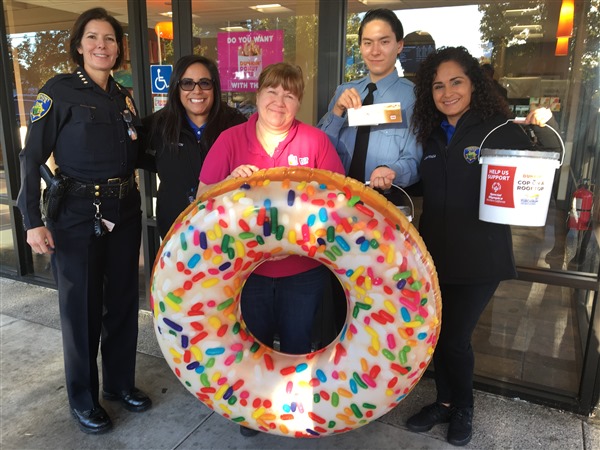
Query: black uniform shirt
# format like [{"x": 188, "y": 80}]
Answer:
[{"x": 84, "y": 127}]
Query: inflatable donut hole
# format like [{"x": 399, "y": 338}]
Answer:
[
  {"x": 392, "y": 320},
  {"x": 330, "y": 315}
]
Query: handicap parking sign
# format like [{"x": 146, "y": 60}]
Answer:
[{"x": 160, "y": 76}]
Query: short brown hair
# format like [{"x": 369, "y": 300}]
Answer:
[
  {"x": 79, "y": 27},
  {"x": 286, "y": 75}
]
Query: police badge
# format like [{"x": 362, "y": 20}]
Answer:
[
  {"x": 130, "y": 106},
  {"x": 471, "y": 154}
]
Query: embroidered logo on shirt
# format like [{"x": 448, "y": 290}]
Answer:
[
  {"x": 293, "y": 160},
  {"x": 41, "y": 107},
  {"x": 471, "y": 154}
]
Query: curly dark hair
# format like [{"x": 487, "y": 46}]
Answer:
[{"x": 485, "y": 100}]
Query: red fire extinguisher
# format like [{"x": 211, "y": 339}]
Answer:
[{"x": 581, "y": 207}]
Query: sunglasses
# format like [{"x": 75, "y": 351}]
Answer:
[{"x": 187, "y": 84}]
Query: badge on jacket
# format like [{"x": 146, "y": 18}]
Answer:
[
  {"x": 41, "y": 107},
  {"x": 129, "y": 104},
  {"x": 471, "y": 154}
]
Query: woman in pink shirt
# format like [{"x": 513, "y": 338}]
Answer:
[{"x": 280, "y": 297}]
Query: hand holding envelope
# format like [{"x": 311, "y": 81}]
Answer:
[{"x": 375, "y": 114}]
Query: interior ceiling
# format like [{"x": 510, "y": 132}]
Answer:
[{"x": 210, "y": 15}]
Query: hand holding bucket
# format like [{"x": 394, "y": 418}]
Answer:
[
  {"x": 516, "y": 184},
  {"x": 407, "y": 210}
]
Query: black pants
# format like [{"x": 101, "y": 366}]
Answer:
[
  {"x": 98, "y": 292},
  {"x": 454, "y": 361}
]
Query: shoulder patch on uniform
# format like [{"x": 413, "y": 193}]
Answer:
[{"x": 41, "y": 107}]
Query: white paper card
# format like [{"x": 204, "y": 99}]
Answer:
[{"x": 375, "y": 114}]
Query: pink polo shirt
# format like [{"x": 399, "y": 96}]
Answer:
[{"x": 304, "y": 146}]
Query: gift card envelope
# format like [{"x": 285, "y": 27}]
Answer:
[{"x": 375, "y": 114}]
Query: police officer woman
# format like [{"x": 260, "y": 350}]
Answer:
[{"x": 89, "y": 122}]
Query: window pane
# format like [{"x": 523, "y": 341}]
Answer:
[
  {"x": 244, "y": 40},
  {"x": 531, "y": 334}
]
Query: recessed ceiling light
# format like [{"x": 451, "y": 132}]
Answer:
[
  {"x": 520, "y": 12},
  {"x": 236, "y": 28},
  {"x": 379, "y": 2},
  {"x": 270, "y": 8},
  {"x": 271, "y": 5},
  {"x": 526, "y": 27}
]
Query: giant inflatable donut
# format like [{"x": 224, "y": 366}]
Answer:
[{"x": 394, "y": 306}]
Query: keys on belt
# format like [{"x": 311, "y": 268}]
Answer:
[{"x": 112, "y": 188}]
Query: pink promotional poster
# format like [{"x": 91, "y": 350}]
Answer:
[{"x": 242, "y": 56}]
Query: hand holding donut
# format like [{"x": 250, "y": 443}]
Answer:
[
  {"x": 382, "y": 178},
  {"x": 538, "y": 117},
  {"x": 40, "y": 239},
  {"x": 243, "y": 171},
  {"x": 350, "y": 98}
]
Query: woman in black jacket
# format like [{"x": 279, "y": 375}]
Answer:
[
  {"x": 178, "y": 137},
  {"x": 456, "y": 108}
]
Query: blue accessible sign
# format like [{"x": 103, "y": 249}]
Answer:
[{"x": 160, "y": 76}]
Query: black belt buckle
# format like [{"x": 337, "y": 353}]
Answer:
[{"x": 123, "y": 186}]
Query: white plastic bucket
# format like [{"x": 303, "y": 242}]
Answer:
[{"x": 516, "y": 184}]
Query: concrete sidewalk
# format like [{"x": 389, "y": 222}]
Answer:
[{"x": 34, "y": 412}]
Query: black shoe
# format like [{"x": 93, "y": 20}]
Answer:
[
  {"x": 133, "y": 400},
  {"x": 248, "y": 432},
  {"x": 92, "y": 421},
  {"x": 461, "y": 426},
  {"x": 429, "y": 416}
]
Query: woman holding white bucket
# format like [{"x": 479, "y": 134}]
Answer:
[{"x": 456, "y": 107}]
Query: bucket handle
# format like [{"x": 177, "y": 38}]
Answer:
[
  {"x": 412, "y": 205},
  {"x": 520, "y": 120}
]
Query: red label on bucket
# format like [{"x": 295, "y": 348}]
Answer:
[{"x": 499, "y": 186}]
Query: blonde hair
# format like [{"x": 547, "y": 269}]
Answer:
[{"x": 286, "y": 75}]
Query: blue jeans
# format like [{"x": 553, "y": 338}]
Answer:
[{"x": 285, "y": 306}]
